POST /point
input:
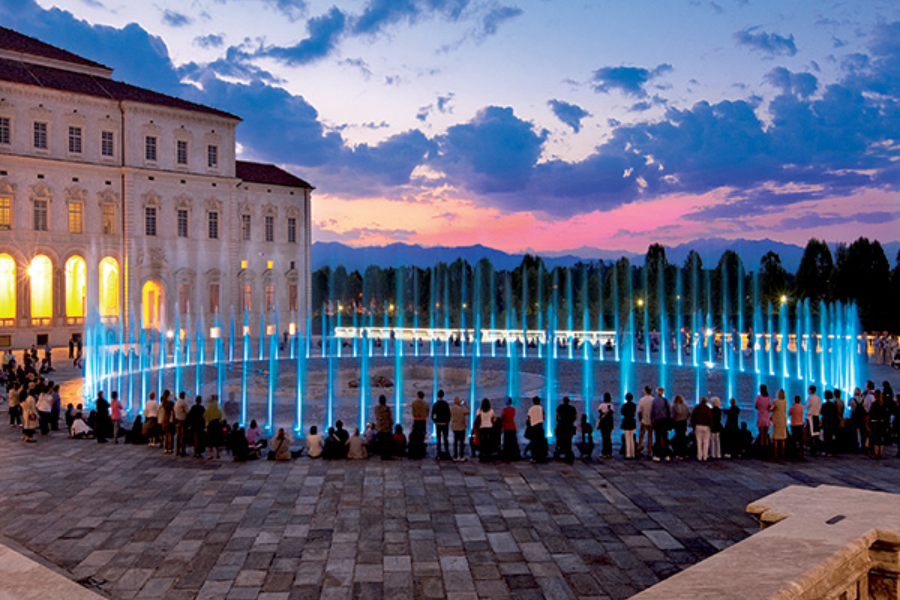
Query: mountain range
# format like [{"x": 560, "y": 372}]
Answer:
[{"x": 357, "y": 258}]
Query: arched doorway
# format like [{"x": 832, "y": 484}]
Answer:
[
  {"x": 76, "y": 285},
  {"x": 109, "y": 288},
  {"x": 40, "y": 271},
  {"x": 7, "y": 289},
  {"x": 152, "y": 303}
]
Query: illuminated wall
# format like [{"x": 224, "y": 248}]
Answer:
[
  {"x": 152, "y": 299},
  {"x": 109, "y": 287},
  {"x": 7, "y": 287},
  {"x": 76, "y": 284},
  {"x": 41, "y": 273}
]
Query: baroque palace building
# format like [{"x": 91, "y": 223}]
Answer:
[{"x": 126, "y": 206}]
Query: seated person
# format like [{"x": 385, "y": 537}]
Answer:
[
  {"x": 281, "y": 447},
  {"x": 80, "y": 429},
  {"x": 314, "y": 443},
  {"x": 357, "y": 447},
  {"x": 399, "y": 440},
  {"x": 136, "y": 436},
  {"x": 334, "y": 448},
  {"x": 240, "y": 448}
]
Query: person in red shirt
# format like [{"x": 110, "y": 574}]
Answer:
[{"x": 510, "y": 434}]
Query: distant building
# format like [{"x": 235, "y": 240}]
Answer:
[{"x": 127, "y": 204}]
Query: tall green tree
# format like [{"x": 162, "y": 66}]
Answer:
[
  {"x": 773, "y": 279},
  {"x": 862, "y": 275},
  {"x": 813, "y": 280}
]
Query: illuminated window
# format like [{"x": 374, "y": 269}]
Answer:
[
  {"x": 4, "y": 131},
  {"x": 150, "y": 221},
  {"x": 181, "y": 152},
  {"x": 184, "y": 297},
  {"x": 76, "y": 217},
  {"x": 213, "y": 298},
  {"x": 245, "y": 228},
  {"x": 109, "y": 287},
  {"x": 150, "y": 148},
  {"x": 5, "y": 213},
  {"x": 152, "y": 298},
  {"x": 40, "y": 271},
  {"x": 7, "y": 289},
  {"x": 247, "y": 298},
  {"x": 74, "y": 140},
  {"x": 76, "y": 285},
  {"x": 292, "y": 230},
  {"x": 292, "y": 296},
  {"x": 212, "y": 156},
  {"x": 243, "y": 264},
  {"x": 270, "y": 297},
  {"x": 182, "y": 223},
  {"x": 212, "y": 225},
  {"x": 108, "y": 219},
  {"x": 270, "y": 228},
  {"x": 40, "y": 215},
  {"x": 107, "y": 147},
  {"x": 40, "y": 135}
]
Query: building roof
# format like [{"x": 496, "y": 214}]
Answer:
[
  {"x": 255, "y": 172},
  {"x": 14, "y": 41}
]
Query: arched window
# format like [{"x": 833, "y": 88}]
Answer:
[
  {"x": 41, "y": 273},
  {"x": 152, "y": 301},
  {"x": 109, "y": 287},
  {"x": 76, "y": 284},
  {"x": 7, "y": 289}
]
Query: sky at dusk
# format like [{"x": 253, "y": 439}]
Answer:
[{"x": 535, "y": 124}]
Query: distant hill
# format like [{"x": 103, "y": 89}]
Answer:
[{"x": 352, "y": 258}]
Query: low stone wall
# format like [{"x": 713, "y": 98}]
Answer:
[{"x": 822, "y": 543}]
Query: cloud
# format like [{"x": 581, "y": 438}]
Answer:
[
  {"x": 496, "y": 17},
  {"x": 209, "y": 41},
  {"x": 628, "y": 80},
  {"x": 324, "y": 33},
  {"x": 292, "y": 9},
  {"x": 801, "y": 84},
  {"x": 569, "y": 114},
  {"x": 770, "y": 44},
  {"x": 175, "y": 19},
  {"x": 378, "y": 14},
  {"x": 443, "y": 103},
  {"x": 810, "y": 220},
  {"x": 360, "y": 65}
]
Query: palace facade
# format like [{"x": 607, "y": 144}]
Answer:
[{"x": 128, "y": 207}]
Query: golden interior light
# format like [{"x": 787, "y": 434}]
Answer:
[
  {"x": 152, "y": 295},
  {"x": 40, "y": 271},
  {"x": 7, "y": 287},
  {"x": 76, "y": 284},
  {"x": 109, "y": 287}
]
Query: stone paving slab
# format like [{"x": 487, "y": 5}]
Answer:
[{"x": 145, "y": 525}]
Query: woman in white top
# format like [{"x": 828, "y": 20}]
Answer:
[
  {"x": 537, "y": 440},
  {"x": 151, "y": 415},
  {"x": 45, "y": 408},
  {"x": 314, "y": 443},
  {"x": 484, "y": 419}
]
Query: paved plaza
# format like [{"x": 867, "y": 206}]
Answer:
[{"x": 133, "y": 523}]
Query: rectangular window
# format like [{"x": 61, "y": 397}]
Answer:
[
  {"x": 108, "y": 219},
  {"x": 5, "y": 213},
  {"x": 150, "y": 221},
  {"x": 270, "y": 297},
  {"x": 292, "y": 296},
  {"x": 292, "y": 230},
  {"x": 247, "y": 298},
  {"x": 5, "y": 133},
  {"x": 181, "y": 152},
  {"x": 40, "y": 215},
  {"x": 182, "y": 223},
  {"x": 107, "y": 148},
  {"x": 270, "y": 229},
  {"x": 150, "y": 148},
  {"x": 74, "y": 140},
  {"x": 184, "y": 296},
  {"x": 212, "y": 157},
  {"x": 40, "y": 135},
  {"x": 76, "y": 217},
  {"x": 245, "y": 228},
  {"x": 212, "y": 223},
  {"x": 213, "y": 298}
]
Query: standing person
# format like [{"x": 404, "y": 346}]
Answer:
[
  {"x": 166, "y": 422},
  {"x": 15, "y": 405},
  {"x": 459, "y": 413},
  {"x": 71, "y": 348},
  {"x": 510, "y": 433},
  {"x": 537, "y": 439},
  {"x": 829, "y": 424},
  {"x": 813, "y": 416},
  {"x": 566, "y": 415},
  {"x": 605, "y": 425},
  {"x": 213, "y": 417},
  {"x": 701, "y": 420},
  {"x": 646, "y": 421},
  {"x": 440, "y": 416},
  {"x": 56, "y": 408},
  {"x": 384, "y": 423},
  {"x": 181, "y": 427},
  {"x": 731, "y": 435},
  {"x": 780, "y": 423},
  {"x": 629, "y": 424},
  {"x": 715, "y": 435},
  {"x": 151, "y": 414},
  {"x": 796, "y": 414},
  {"x": 586, "y": 445},
  {"x": 763, "y": 406},
  {"x": 858, "y": 417},
  {"x": 661, "y": 417},
  {"x": 879, "y": 420},
  {"x": 115, "y": 413},
  {"x": 484, "y": 423},
  {"x": 103, "y": 425},
  {"x": 420, "y": 412},
  {"x": 196, "y": 423},
  {"x": 29, "y": 418},
  {"x": 44, "y": 408},
  {"x": 840, "y": 409},
  {"x": 680, "y": 416}
]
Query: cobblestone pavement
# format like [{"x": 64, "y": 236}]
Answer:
[{"x": 139, "y": 524}]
